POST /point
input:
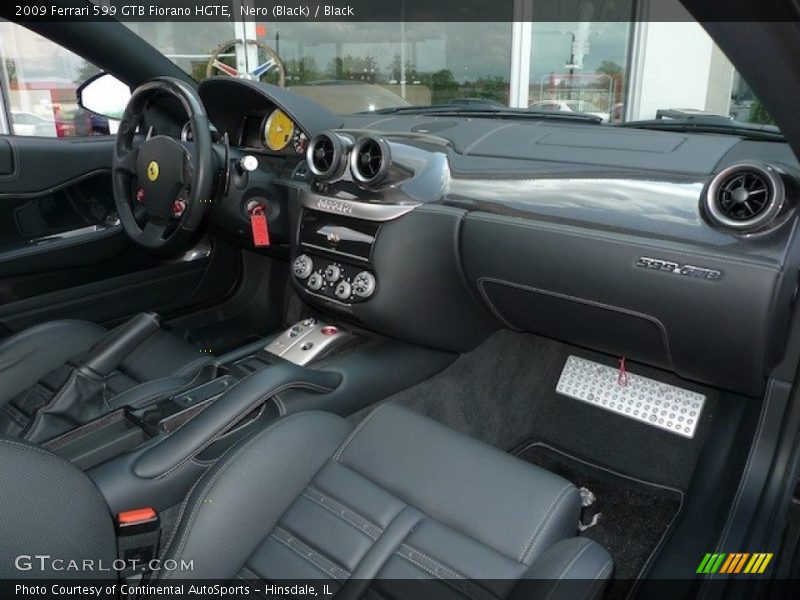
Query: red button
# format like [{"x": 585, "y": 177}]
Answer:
[
  {"x": 329, "y": 330},
  {"x": 138, "y": 515}
]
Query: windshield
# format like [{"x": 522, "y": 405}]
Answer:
[{"x": 614, "y": 69}]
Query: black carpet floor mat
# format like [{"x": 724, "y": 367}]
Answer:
[
  {"x": 503, "y": 392},
  {"x": 635, "y": 516}
]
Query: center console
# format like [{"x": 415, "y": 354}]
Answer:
[
  {"x": 131, "y": 445},
  {"x": 335, "y": 257}
]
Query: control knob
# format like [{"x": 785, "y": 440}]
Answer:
[
  {"x": 364, "y": 284},
  {"x": 315, "y": 282},
  {"x": 303, "y": 265},
  {"x": 343, "y": 290},
  {"x": 333, "y": 273}
]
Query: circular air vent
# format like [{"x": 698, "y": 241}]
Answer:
[
  {"x": 370, "y": 159},
  {"x": 325, "y": 156},
  {"x": 745, "y": 197}
]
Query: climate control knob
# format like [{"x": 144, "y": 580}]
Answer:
[
  {"x": 343, "y": 290},
  {"x": 364, "y": 284},
  {"x": 303, "y": 265},
  {"x": 333, "y": 273},
  {"x": 315, "y": 282}
]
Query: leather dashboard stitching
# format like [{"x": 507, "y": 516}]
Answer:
[{"x": 486, "y": 135}]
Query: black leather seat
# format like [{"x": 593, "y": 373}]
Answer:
[
  {"x": 399, "y": 497},
  {"x": 37, "y": 364}
]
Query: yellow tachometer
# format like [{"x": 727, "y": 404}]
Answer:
[{"x": 278, "y": 130}]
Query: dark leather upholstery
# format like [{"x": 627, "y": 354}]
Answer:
[
  {"x": 50, "y": 508},
  {"x": 398, "y": 497},
  {"x": 36, "y": 364},
  {"x": 369, "y": 509}
]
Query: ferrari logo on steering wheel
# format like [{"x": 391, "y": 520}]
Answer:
[{"x": 152, "y": 170}]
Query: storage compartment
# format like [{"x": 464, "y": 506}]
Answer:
[
  {"x": 624, "y": 333},
  {"x": 607, "y": 291},
  {"x": 340, "y": 235},
  {"x": 100, "y": 440}
]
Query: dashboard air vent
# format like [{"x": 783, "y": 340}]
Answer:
[
  {"x": 745, "y": 197},
  {"x": 370, "y": 160},
  {"x": 325, "y": 156}
]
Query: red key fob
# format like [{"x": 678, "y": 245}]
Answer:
[{"x": 260, "y": 227}]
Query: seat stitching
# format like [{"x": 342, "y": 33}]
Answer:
[
  {"x": 401, "y": 496},
  {"x": 574, "y": 559},
  {"x": 331, "y": 568},
  {"x": 466, "y": 590},
  {"x": 437, "y": 562},
  {"x": 576, "y": 555},
  {"x": 12, "y": 414},
  {"x": 365, "y": 526},
  {"x": 279, "y": 404},
  {"x": 185, "y": 369},
  {"x": 345, "y": 505},
  {"x": 207, "y": 487},
  {"x": 249, "y": 572},
  {"x": 353, "y": 434},
  {"x": 530, "y": 545},
  {"x": 554, "y": 510},
  {"x": 601, "y": 577}
]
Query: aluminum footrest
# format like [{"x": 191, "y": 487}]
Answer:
[{"x": 646, "y": 400}]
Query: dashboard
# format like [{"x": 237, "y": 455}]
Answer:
[{"x": 440, "y": 230}]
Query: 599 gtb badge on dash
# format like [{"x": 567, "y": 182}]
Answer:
[{"x": 667, "y": 266}]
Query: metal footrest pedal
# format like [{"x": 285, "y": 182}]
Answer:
[{"x": 646, "y": 400}]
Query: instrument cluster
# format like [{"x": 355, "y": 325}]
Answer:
[{"x": 274, "y": 132}]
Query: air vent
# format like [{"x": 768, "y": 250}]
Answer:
[
  {"x": 745, "y": 197},
  {"x": 370, "y": 160},
  {"x": 325, "y": 156}
]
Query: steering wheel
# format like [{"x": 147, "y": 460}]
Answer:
[{"x": 162, "y": 186}]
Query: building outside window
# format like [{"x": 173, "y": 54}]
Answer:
[{"x": 575, "y": 55}]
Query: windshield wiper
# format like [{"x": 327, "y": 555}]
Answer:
[
  {"x": 707, "y": 124},
  {"x": 449, "y": 110}
]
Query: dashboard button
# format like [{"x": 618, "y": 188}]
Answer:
[
  {"x": 333, "y": 273},
  {"x": 303, "y": 265},
  {"x": 315, "y": 282},
  {"x": 343, "y": 290},
  {"x": 364, "y": 284}
]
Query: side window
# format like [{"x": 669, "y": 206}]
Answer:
[{"x": 39, "y": 80}]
